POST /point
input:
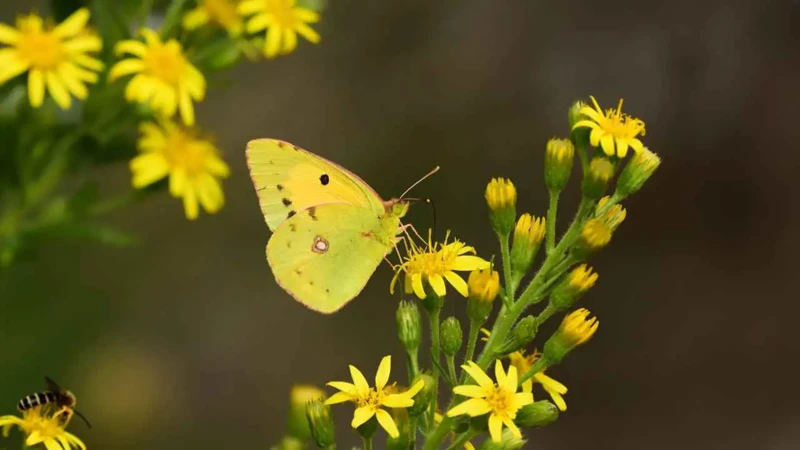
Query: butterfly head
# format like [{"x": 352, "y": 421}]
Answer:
[{"x": 396, "y": 207}]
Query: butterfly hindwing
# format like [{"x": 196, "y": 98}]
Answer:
[
  {"x": 289, "y": 179},
  {"x": 324, "y": 255}
]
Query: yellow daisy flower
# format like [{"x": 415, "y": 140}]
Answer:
[
  {"x": 283, "y": 22},
  {"x": 56, "y": 58},
  {"x": 370, "y": 400},
  {"x": 44, "y": 425},
  {"x": 192, "y": 164},
  {"x": 222, "y": 13},
  {"x": 555, "y": 389},
  {"x": 164, "y": 78},
  {"x": 436, "y": 263},
  {"x": 500, "y": 400},
  {"x": 613, "y": 130}
]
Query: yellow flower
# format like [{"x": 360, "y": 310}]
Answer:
[
  {"x": 436, "y": 263},
  {"x": 595, "y": 235},
  {"x": 56, "y": 58},
  {"x": 523, "y": 362},
  {"x": 370, "y": 400},
  {"x": 500, "y": 400},
  {"x": 613, "y": 130},
  {"x": 500, "y": 194},
  {"x": 44, "y": 425},
  {"x": 192, "y": 164},
  {"x": 283, "y": 22},
  {"x": 576, "y": 328},
  {"x": 164, "y": 78},
  {"x": 222, "y": 13},
  {"x": 581, "y": 279},
  {"x": 483, "y": 285},
  {"x": 613, "y": 216}
]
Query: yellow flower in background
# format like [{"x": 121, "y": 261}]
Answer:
[
  {"x": 56, "y": 58},
  {"x": 523, "y": 362},
  {"x": 500, "y": 400},
  {"x": 222, "y": 13},
  {"x": 371, "y": 401},
  {"x": 44, "y": 425},
  {"x": 283, "y": 22},
  {"x": 436, "y": 263},
  {"x": 193, "y": 165},
  {"x": 163, "y": 78},
  {"x": 612, "y": 130}
]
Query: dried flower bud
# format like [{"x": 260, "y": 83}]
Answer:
[
  {"x": 575, "y": 330},
  {"x": 528, "y": 234},
  {"x": 321, "y": 424},
  {"x": 558, "y": 163},
  {"x": 451, "y": 336},
  {"x": 409, "y": 327},
  {"x": 597, "y": 177},
  {"x": 637, "y": 172},
  {"x": 501, "y": 196}
]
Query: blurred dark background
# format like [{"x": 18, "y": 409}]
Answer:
[{"x": 186, "y": 340}]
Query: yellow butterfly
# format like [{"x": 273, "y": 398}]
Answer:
[{"x": 330, "y": 229}]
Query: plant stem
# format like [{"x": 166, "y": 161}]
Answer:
[
  {"x": 551, "y": 221},
  {"x": 472, "y": 339},
  {"x": 413, "y": 364},
  {"x": 451, "y": 368},
  {"x": 538, "y": 366},
  {"x": 367, "y": 443},
  {"x": 584, "y": 159},
  {"x": 412, "y": 432},
  {"x": 506, "y": 255},
  {"x": 462, "y": 439},
  {"x": 434, "y": 314}
]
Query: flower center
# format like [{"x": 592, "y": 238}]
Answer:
[
  {"x": 44, "y": 50},
  {"x": 165, "y": 63},
  {"x": 372, "y": 399},
  {"x": 500, "y": 400},
  {"x": 183, "y": 152}
]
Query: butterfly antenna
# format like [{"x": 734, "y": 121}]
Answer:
[
  {"x": 435, "y": 169},
  {"x": 433, "y": 209},
  {"x": 77, "y": 413}
]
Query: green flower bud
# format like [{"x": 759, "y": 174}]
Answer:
[
  {"x": 572, "y": 287},
  {"x": 558, "y": 163},
  {"x": 402, "y": 441},
  {"x": 409, "y": 328},
  {"x": 637, "y": 172},
  {"x": 501, "y": 196},
  {"x": 521, "y": 336},
  {"x": 298, "y": 399},
  {"x": 290, "y": 443},
  {"x": 575, "y": 330},
  {"x": 595, "y": 235},
  {"x": 580, "y": 136},
  {"x": 423, "y": 398},
  {"x": 537, "y": 414},
  {"x": 368, "y": 428},
  {"x": 528, "y": 234},
  {"x": 321, "y": 424},
  {"x": 451, "y": 336},
  {"x": 483, "y": 288},
  {"x": 596, "y": 179},
  {"x": 613, "y": 216},
  {"x": 507, "y": 442}
]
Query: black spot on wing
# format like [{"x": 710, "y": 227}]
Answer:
[
  {"x": 286, "y": 202},
  {"x": 292, "y": 227},
  {"x": 279, "y": 144},
  {"x": 291, "y": 213},
  {"x": 312, "y": 212},
  {"x": 280, "y": 187},
  {"x": 324, "y": 179}
]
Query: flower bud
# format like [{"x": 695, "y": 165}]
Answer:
[
  {"x": 483, "y": 287},
  {"x": 451, "y": 336},
  {"x": 409, "y": 328},
  {"x": 575, "y": 330},
  {"x": 595, "y": 235},
  {"x": 298, "y": 399},
  {"x": 528, "y": 234},
  {"x": 597, "y": 177},
  {"x": 580, "y": 136},
  {"x": 321, "y": 424},
  {"x": 523, "y": 334},
  {"x": 507, "y": 442},
  {"x": 423, "y": 398},
  {"x": 637, "y": 172},
  {"x": 501, "y": 196},
  {"x": 537, "y": 414},
  {"x": 402, "y": 441},
  {"x": 612, "y": 216},
  {"x": 574, "y": 285},
  {"x": 291, "y": 443},
  {"x": 558, "y": 163}
]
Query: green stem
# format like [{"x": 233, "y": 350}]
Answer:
[
  {"x": 506, "y": 255},
  {"x": 412, "y": 432},
  {"x": 584, "y": 159},
  {"x": 551, "y": 221},
  {"x": 538, "y": 366},
  {"x": 451, "y": 368},
  {"x": 462, "y": 439},
  {"x": 472, "y": 339},
  {"x": 434, "y": 314},
  {"x": 367, "y": 443},
  {"x": 413, "y": 364},
  {"x": 435, "y": 439}
]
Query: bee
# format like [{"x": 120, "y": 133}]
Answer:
[{"x": 54, "y": 395}]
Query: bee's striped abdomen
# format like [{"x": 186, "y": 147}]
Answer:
[{"x": 40, "y": 398}]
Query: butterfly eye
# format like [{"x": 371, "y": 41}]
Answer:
[{"x": 324, "y": 179}]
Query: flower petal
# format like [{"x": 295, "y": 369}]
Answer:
[
  {"x": 496, "y": 428},
  {"x": 272, "y": 45},
  {"x": 131, "y": 47},
  {"x": 622, "y": 147},
  {"x": 306, "y": 15},
  {"x": 308, "y": 33},
  {"x": 469, "y": 263},
  {"x": 196, "y": 18},
  {"x": 339, "y": 397},
  {"x": 8, "y": 35},
  {"x": 470, "y": 390},
  {"x": 607, "y": 142},
  {"x": 343, "y": 386},
  {"x": 636, "y": 145},
  {"x": 190, "y": 205},
  {"x": 11, "y": 65},
  {"x": 359, "y": 381},
  {"x": 457, "y": 282},
  {"x": 513, "y": 427},
  {"x": 478, "y": 375},
  {"x": 397, "y": 400},
  {"x": 595, "y": 136},
  {"x": 361, "y": 415},
  {"x": 472, "y": 407},
  {"x": 416, "y": 283},
  {"x": 36, "y": 87},
  {"x": 523, "y": 398},
  {"x": 57, "y": 90},
  {"x": 511, "y": 380},
  {"x": 387, "y": 423},
  {"x": 414, "y": 390},
  {"x": 384, "y": 370},
  {"x": 437, "y": 283},
  {"x": 73, "y": 24},
  {"x": 126, "y": 67},
  {"x": 289, "y": 41}
]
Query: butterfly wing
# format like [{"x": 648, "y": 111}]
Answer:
[
  {"x": 289, "y": 179},
  {"x": 323, "y": 256}
]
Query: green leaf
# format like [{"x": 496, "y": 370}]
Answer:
[
  {"x": 110, "y": 19},
  {"x": 172, "y": 19},
  {"x": 102, "y": 234}
]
